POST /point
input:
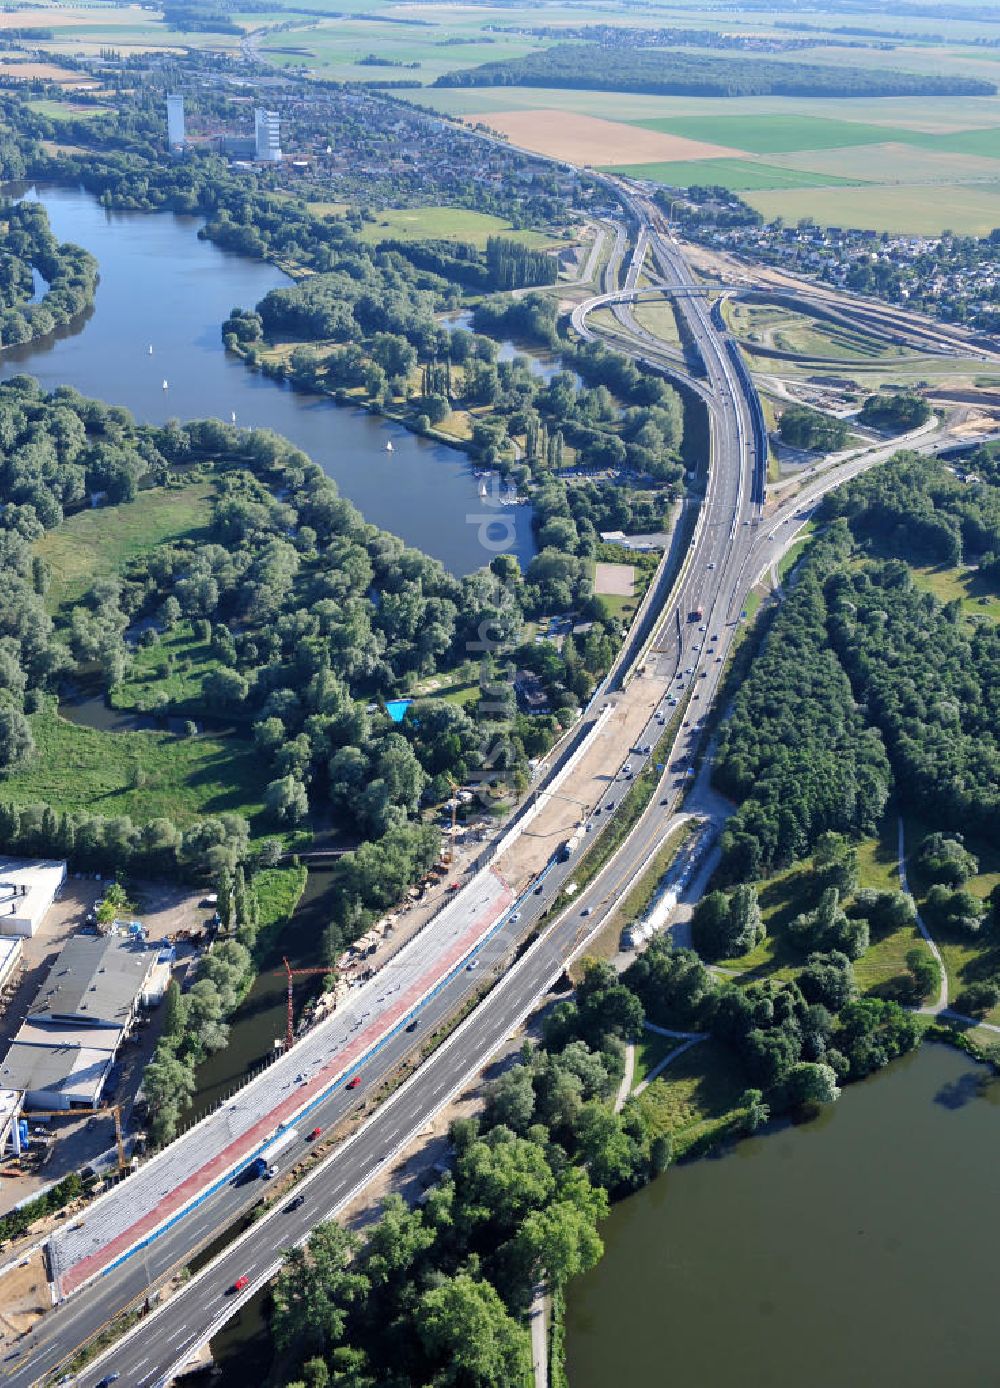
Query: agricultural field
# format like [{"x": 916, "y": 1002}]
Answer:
[
  {"x": 973, "y": 209},
  {"x": 740, "y": 175}
]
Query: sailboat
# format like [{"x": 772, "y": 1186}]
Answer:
[
  {"x": 482, "y": 488},
  {"x": 149, "y": 349},
  {"x": 165, "y": 385},
  {"x": 388, "y": 446},
  {"x": 232, "y": 416}
]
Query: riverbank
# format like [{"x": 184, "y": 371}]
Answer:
[{"x": 724, "y": 1244}]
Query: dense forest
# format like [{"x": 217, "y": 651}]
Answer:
[
  {"x": 867, "y": 682},
  {"x": 592, "y": 67},
  {"x": 69, "y": 272}
]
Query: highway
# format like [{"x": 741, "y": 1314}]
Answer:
[{"x": 682, "y": 659}]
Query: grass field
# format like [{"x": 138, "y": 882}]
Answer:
[
  {"x": 978, "y": 598},
  {"x": 446, "y": 224},
  {"x": 170, "y": 672},
  {"x": 95, "y": 543},
  {"x": 650, "y": 1051},
  {"x": 66, "y": 110},
  {"x": 145, "y": 775},
  {"x": 891, "y": 164},
  {"x": 699, "y": 1090},
  {"x": 660, "y": 319},
  {"x": 738, "y": 174}
]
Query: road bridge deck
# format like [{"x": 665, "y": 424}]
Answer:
[{"x": 189, "y": 1169}]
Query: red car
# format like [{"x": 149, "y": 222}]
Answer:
[
  {"x": 353, "y": 1084},
  {"x": 239, "y": 1284},
  {"x": 314, "y": 1134}
]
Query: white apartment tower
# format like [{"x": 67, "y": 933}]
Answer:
[
  {"x": 175, "y": 120},
  {"x": 267, "y": 136}
]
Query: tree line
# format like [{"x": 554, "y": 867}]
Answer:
[
  {"x": 69, "y": 272},
  {"x": 592, "y": 67}
]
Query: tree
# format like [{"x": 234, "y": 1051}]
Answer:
[
  {"x": 756, "y": 1112},
  {"x": 316, "y": 1289},
  {"x": 979, "y": 997},
  {"x": 286, "y": 800},
  {"x": 828, "y": 979},
  {"x": 944, "y": 858},
  {"x": 558, "y": 1243},
  {"x": 16, "y": 741},
  {"x": 168, "y": 1086},
  {"x": 925, "y": 974},
  {"x": 810, "y": 1082},
  {"x": 469, "y": 1337},
  {"x": 726, "y": 926}
]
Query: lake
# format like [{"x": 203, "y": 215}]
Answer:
[
  {"x": 856, "y": 1249},
  {"x": 161, "y": 286}
]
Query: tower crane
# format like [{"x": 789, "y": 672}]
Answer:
[{"x": 291, "y": 974}]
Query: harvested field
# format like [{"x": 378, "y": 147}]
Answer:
[
  {"x": 49, "y": 17},
  {"x": 589, "y": 140},
  {"x": 615, "y": 580},
  {"x": 27, "y": 72}
]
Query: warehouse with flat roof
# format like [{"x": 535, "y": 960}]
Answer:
[
  {"x": 97, "y": 981},
  {"x": 63, "y": 1053}
]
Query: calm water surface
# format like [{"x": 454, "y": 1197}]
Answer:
[
  {"x": 858, "y": 1249},
  {"x": 163, "y": 287}
]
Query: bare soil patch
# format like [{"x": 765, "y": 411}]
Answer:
[
  {"x": 616, "y": 580},
  {"x": 590, "y": 140},
  {"x": 24, "y": 1296}
]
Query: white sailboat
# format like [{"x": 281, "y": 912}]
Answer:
[
  {"x": 482, "y": 488},
  {"x": 232, "y": 416},
  {"x": 388, "y": 446},
  {"x": 165, "y": 385},
  {"x": 149, "y": 349}
]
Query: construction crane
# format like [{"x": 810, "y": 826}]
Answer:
[
  {"x": 115, "y": 1109},
  {"x": 290, "y": 974}
]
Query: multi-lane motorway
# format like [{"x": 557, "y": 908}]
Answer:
[{"x": 684, "y": 657}]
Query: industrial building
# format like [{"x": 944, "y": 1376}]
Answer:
[
  {"x": 267, "y": 136},
  {"x": 97, "y": 981},
  {"x": 62, "y": 1055},
  {"x": 176, "y": 135},
  {"x": 27, "y": 890}
]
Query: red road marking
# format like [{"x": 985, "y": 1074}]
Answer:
[{"x": 216, "y": 1167}]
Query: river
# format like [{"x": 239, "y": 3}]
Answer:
[
  {"x": 856, "y": 1249},
  {"x": 161, "y": 286}
]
